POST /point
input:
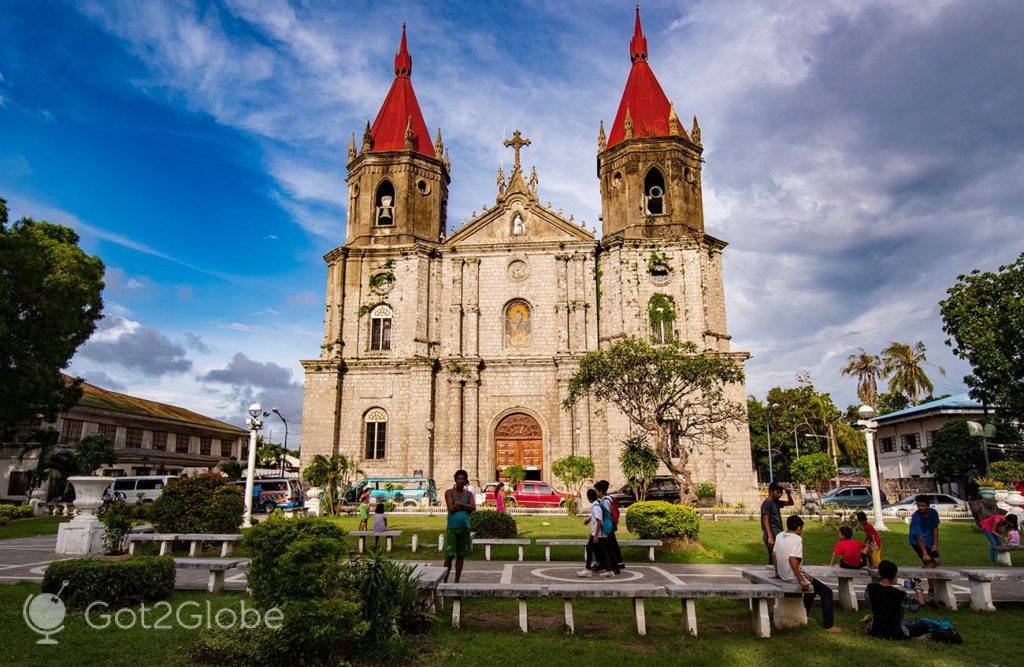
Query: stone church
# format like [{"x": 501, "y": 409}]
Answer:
[{"x": 453, "y": 349}]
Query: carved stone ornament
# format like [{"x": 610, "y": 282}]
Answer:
[{"x": 517, "y": 269}]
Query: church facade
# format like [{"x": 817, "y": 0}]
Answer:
[{"x": 443, "y": 352}]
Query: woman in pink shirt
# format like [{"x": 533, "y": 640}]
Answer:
[
  {"x": 499, "y": 496},
  {"x": 991, "y": 526}
]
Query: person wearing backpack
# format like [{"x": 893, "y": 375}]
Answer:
[
  {"x": 597, "y": 544},
  {"x": 611, "y": 511}
]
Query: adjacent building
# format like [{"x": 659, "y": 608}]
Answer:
[
  {"x": 150, "y": 438},
  {"x": 453, "y": 348}
]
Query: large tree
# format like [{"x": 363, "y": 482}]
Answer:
[
  {"x": 904, "y": 366},
  {"x": 670, "y": 391},
  {"x": 954, "y": 455},
  {"x": 867, "y": 368},
  {"x": 984, "y": 317},
  {"x": 50, "y": 300}
]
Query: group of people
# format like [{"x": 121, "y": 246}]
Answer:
[
  {"x": 786, "y": 552},
  {"x": 604, "y": 557}
]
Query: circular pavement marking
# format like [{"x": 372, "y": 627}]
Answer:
[{"x": 631, "y": 575}]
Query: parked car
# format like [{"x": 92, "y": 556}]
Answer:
[
  {"x": 404, "y": 491},
  {"x": 277, "y": 493},
  {"x": 846, "y": 496},
  {"x": 528, "y": 494},
  {"x": 943, "y": 502},
  {"x": 141, "y": 489},
  {"x": 662, "y": 487}
]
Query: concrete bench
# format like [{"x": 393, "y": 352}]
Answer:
[
  {"x": 520, "y": 592},
  {"x": 427, "y": 578},
  {"x": 788, "y": 611},
  {"x": 165, "y": 540},
  {"x": 757, "y": 594},
  {"x": 636, "y": 592},
  {"x": 388, "y": 535},
  {"x": 980, "y": 583},
  {"x": 488, "y": 542},
  {"x": 1003, "y": 555},
  {"x": 650, "y": 544},
  {"x": 195, "y": 540},
  {"x": 215, "y": 566},
  {"x": 846, "y": 577},
  {"x": 547, "y": 544},
  {"x": 942, "y": 578}
]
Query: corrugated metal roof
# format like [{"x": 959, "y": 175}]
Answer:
[
  {"x": 954, "y": 402},
  {"x": 104, "y": 399}
]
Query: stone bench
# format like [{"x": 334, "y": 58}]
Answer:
[
  {"x": 388, "y": 535},
  {"x": 846, "y": 576},
  {"x": 638, "y": 593},
  {"x": 195, "y": 540},
  {"x": 757, "y": 594},
  {"x": 165, "y": 540},
  {"x": 789, "y": 610},
  {"x": 980, "y": 583},
  {"x": 547, "y": 544},
  {"x": 520, "y": 592},
  {"x": 427, "y": 578},
  {"x": 215, "y": 566},
  {"x": 488, "y": 542},
  {"x": 942, "y": 578},
  {"x": 1003, "y": 554}
]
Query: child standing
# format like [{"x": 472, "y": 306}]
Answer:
[
  {"x": 364, "y": 513},
  {"x": 851, "y": 552},
  {"x": 871, "y": 538},
  {"x": 1012, "y": 531}
]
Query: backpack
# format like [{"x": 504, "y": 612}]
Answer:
[
  {"x": 941, "y": 630},
  {"x": 609, "y": 514},
  {"x": 614, "y": 511}
]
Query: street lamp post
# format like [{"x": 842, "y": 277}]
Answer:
[
  {"x": 866, "y": 412},
  {"x": 255, "y": 423},
  {"x": 284, "y": 457}
]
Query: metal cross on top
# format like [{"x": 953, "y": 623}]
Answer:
[{"x": 516, "y": 143}]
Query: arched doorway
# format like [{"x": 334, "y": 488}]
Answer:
[{"x": 519, "y": 441}]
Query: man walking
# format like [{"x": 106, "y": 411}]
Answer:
[
  {"x": 789, "y": 556},
  {"x": 771, "y": 515},
  {"x": 458, "y": 543},
  {"x": 611, "y": 510}
]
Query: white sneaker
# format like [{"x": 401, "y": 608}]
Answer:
[
  {"x": 607, "y": 573},
  {"x": 584, "y": 573}
]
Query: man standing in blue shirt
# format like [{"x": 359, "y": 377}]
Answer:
[{"x": 924, "y": 535}]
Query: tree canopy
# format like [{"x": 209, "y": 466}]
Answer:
[
  {"x": 50, "y": 300},
  {"x": 639, "y": 464},
  {"x": 954, "y": 455},
  {"x": 574, "y": 471},
  {"x": 983, "y": 315}
]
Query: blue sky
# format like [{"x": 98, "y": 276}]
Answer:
[{"x": 859, "y": 156}]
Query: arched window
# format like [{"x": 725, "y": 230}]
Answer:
[
  {"x": 654, "y": 192},
  {"x": 376, "y": 421},
  {"x": 384, "y": 200},
  {"x": 517, "y": 324},
  {"x": 380, "y": 328},
  {"x": 661, "y": 310}
]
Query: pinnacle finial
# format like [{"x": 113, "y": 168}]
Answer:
[
  {"x": 627, "y": 125},
  {"x": 447, "y": 162},
  {"x": 674, "y": 126},
  {"x": 695, "y": 132},
  {"x": 403, "y": 61},
  {"x": 408, "y": 134},
  {"x": 352, "y": 146},
  {"x": 367, "y": 139},
  {"x": 501, "y": 181},
  {"x": 638, "y": 45},
  {"x": 602, "y": 140},
  {"x": 438, "y": 144},
  {"x": 533, "y": 180}
]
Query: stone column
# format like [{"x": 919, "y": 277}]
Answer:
[
  {"x": 579, "y": 299},
  {"x": 454, "y": 447},
  {"x": 472, "y": 299},
  {"x": 471, "y": 433},
  {"x": 562, "y": 303},
  {"x": 454, "y": 333},
  {"x": 562, "y": 443}
]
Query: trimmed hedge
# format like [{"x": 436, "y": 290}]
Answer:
[
  {"x": 280, "y": 549},
  {"x": 493, "y": 524},
  {"x": 654, "y": 519},
  {"x": 15, "y": 511},
  {"x": 119, "y": 583},
  {"x": 206, "y": 503}
]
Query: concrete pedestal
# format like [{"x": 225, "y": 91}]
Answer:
[
  {"x": 82, "y": 536},
  {"x": 789, "y": 612}
]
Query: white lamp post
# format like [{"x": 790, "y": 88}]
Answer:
[
  {"x": 255, "y": 424},
  {"x": 866, "y": 412}
]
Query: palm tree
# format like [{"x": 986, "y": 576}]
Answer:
[
  {"x": 334, "y": 475},
  {"x": 903, "y": 365},
  {"x": 867, "y": 368}
]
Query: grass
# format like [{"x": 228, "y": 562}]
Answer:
[
  {"x": 32, "y": 527},
  {"x": 604, "y": 635}
]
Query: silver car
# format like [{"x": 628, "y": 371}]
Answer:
[{"x": 942, "y": 502}]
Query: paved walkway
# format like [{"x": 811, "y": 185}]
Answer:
[{"x": 25, "y": 559}]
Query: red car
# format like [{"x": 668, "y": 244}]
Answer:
[{"x": 528, "y": 494}]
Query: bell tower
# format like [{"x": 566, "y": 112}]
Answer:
[
  {"x": 649, "y": 166},
  {"x": 397, "y": 178}
]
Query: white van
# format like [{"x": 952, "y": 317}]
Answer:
[{"x": 140, "y": 489}]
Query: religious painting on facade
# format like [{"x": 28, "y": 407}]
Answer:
[{"x": 517, "y": 324}]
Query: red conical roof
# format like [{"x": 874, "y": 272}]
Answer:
[
  {"x": 400, "y": 111},
  {"x": 647, "y": 105}
]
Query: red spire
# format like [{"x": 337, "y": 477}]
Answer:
[
  {"x": 647, "y": 105},
  {"x": 401, "y": 111}
]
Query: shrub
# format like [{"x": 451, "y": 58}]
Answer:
[
  {"x": 119, "y": 583},
  {"x": 657, "y": 519},
  {"x": 11, "y": 512},
  {"x": 205, "y": 503},
  {"x": 267, "y": 545},
  {"x": 493, "y": 524},
  {"x": 1006, "y": 471},
  {"x": 391, "y": 603},
  {"x": 118, "y": 521},
  {"x": 706, "y": 491}
]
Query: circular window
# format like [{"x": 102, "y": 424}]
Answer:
[
  {"x": 422, "y": 186},
  {"x": 518, "y": 270},
  {"x": 616, "y": 179}
]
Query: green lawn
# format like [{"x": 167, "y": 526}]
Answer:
[
  {"x": 32, "y": 527},
  {"x": 605, "y": 636}
]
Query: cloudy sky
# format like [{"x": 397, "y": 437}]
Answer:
[{"x": 859, "y": 156}]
